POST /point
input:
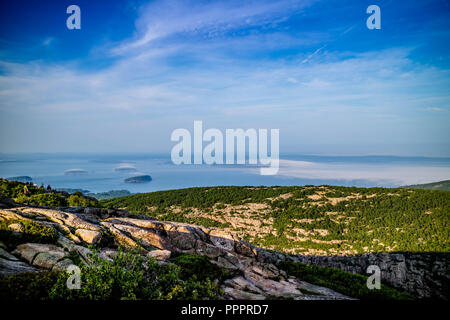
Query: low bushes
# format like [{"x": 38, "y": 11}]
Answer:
[
  {"x": 27, "y": 286},
  {"x": 43, "y": 199},
  {"x": 194, "y": 266},
  {"x": 31, "y": 194},
  {"x": 78, "y": 200},
  {"x": 353, "y": 285},
  {"x": 130, "y": 276},
  {"x": 31, "y": 232}
]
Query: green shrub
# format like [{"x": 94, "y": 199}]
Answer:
[
  {"x": 131, "y": 276},
  {"x": 199, "y": 267},
  {"x": 78, "y": 200},
  {"x": 43, "y": 199},
  {"x": 27, "y": 286},
  {"x": 352, "y": 285},
  {"x": 14, "y": 189},
  {"x": 31, "y": 232},
  {"x": 30, "y": 194}
]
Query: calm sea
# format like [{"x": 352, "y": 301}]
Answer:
[{"x": 101, "y": 171}]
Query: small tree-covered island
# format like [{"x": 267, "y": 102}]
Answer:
[{"x": 139, "y": 179}]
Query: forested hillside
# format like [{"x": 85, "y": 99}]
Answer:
[
  {"x": 310, "y": 220},
  {"x": 314, "y": 221},
  {"x": 441, "y": 185}
]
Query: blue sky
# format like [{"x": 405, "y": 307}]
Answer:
[{"x": 137, "y": 70}]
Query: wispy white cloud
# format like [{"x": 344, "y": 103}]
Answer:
[
  {"x": 48, "y": 41},
  {"x": 163, "y": 19},
  {"x": 434, "y": 109},
  {"x": 313, "y": 54}
]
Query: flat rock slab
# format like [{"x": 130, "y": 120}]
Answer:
[
  {"x": 6, "y": 255},
  {"x": 69, "y": 219},
  {"x": 10, "y": 267},
  {"x": 29, "y": 251},
  {"x": 254, "y": 274}
]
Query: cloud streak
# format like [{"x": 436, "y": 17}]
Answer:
[{"x": 163, "y": 19}]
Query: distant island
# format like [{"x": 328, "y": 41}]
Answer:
[
  {"x": 98, "y": 195},
  {"x": 109, "y": 194},
  {"x": 125, "y": 167},
  {"x": 71, "y": 190},
  {"x": 440, "y": 185},
  {"x": 20, "y": 179},
  {"x": 75, "y": 172},
  {"x": 138, "y": 179}
]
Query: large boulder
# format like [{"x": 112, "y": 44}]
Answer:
[
  {"x": 89, "y": 236},
  {"x": 48, "y": 259},
  {"x": 159, "y": 255},
  {"x": 222, "y": 239},
  {"x": 147, "y": 237},
  {"x": 71, "y": 220}
]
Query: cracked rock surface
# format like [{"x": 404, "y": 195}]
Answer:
[{"x": 255, "y": 276}]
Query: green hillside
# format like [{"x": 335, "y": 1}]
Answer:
[
  {"x": 26, "y": 193},
  {"x": 441, "y": 185},
  {"x": 310, "y": 220}
]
